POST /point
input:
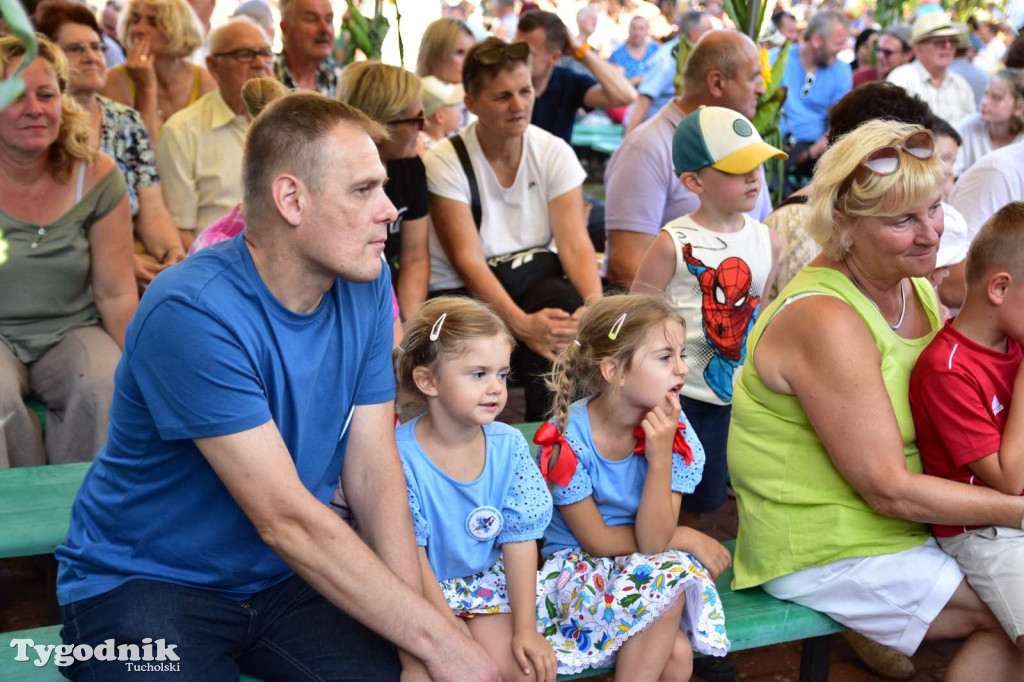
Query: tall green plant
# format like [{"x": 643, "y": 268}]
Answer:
[{"x": 19, "y": 26}]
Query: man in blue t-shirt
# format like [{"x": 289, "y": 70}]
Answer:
[
  {"x": 254, "y": 376},
  {"x": 816, "y": 80},
  {"x": 561, "y": 92}
]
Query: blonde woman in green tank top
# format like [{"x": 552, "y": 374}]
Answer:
[{"x": 822, "y": 453}]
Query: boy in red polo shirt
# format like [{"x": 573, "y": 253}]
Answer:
[{"x": 968, "y": 429}]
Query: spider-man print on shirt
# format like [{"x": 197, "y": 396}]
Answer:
[{"x": 728, "y": 312}]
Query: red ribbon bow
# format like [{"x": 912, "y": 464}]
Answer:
[
  {"x": 547, "y": 437},
  {"x": 679, "y": 444}
]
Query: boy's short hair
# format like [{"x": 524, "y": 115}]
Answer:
[{"x": 999, "y": 245}]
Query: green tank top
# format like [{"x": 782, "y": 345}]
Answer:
[{"x": 796, "y": 510}]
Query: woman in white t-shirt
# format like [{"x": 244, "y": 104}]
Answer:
[
  {"x": 529, "y": 193},
  {"x": 1000, "y": 123}
]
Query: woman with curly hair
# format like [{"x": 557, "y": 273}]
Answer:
[
  {"x": 118, "y": 131},
  {"x": 68, "y": 288},
  {"x": 157, "y": 77}
]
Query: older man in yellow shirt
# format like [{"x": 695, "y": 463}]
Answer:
[{"x": 199, "y": 155}]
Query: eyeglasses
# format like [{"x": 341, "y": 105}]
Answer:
[
  {"x": 495, "y": 54},
  {"x": 887, "y": 53},
  {"x": 808, "y": 84},
  {"x": 418, "y": 121},
  {"x": 941, "y": 41},
  {"x": 245, "y": 55},
  {"x": 78, "y": 49},
  {"x": 886, "y": 160}
]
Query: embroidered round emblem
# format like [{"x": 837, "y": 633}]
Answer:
[
  {"x": 483, "y": 523},
  {"x": 742, "y": 128}
]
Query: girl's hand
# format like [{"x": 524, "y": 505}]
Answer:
[
  {"x": 708, "y": 551},
  {"x": 534, "y": 655},
  {"x": 660, "y": 425},
  {"x": 139, "y": 64}
]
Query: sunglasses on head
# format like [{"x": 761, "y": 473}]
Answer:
[
  {"x": 808, "y": 84},
  {"x": 886, "y": 160},
  {"x": 495, "y": 54}
]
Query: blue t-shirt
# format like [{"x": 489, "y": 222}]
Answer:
[
  {"x": 211, "y": 352},
  {"x": 615, "y": 485},
  {"x": 632, "y": 65},
  {"x": 806, "y": 115},
  {"x": 464, "y": 524},
  {"x": 555, "y": 110},
  {"x": 659, "y": 83}
]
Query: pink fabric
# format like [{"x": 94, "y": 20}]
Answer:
[
  {"x": 231, "y": 224},
  {"x": 220, "y": 230}
]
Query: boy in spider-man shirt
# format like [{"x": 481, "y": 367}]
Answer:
[
  {"x": 713, "y": 266},
  {"x": 968, "y": 430}
]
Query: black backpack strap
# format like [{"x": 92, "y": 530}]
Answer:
[{"x": 467, "y": 166}]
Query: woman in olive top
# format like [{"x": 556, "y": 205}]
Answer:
[{"x": 822, "y": 452}]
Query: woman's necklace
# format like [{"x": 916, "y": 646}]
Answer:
[{"x": 903, "y": 296}]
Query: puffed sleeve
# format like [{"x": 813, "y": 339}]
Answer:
[
  {"x": 420, "y": 528},
  {"x": 527, "y": 507},
  {"x": 580, "y": 486},
  {"x": 685, "y": 477}
]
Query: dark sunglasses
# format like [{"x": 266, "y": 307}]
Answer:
[
  {"x": 941, "y": 41},
  {"x": 417, "y": 121},
  {"x": 887, "y": 53},
  {"x": 495, "y": 54},
  {"x": 886, "y": 160},
  {"x": 808, "y": 84}
]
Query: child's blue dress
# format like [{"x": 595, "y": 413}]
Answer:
[{"x": 464, "y": 524}]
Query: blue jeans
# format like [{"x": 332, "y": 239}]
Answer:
[
  {"x": 286, "y": 632},
  {"x": 711, "y": 424}
]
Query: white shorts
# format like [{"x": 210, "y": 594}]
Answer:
[{"x": 891, "y": 598}]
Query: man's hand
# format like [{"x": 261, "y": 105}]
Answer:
[
  {"x": 546, "y": 331},
  {"x": 459, "y": 660}
]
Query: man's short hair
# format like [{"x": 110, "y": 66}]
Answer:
[
  {"x": 555, "y": 31},
  {"x": 713, "y": 52},
  {"x": 999, "y": 245},
  {"x": 901, "y": 33},
  {"x": 688, "y": 21},
  {"x": 823, "y": 22},
  {"x": 476, "y": 75},
  {"x": 287, "y": 137},
  {"x": 778, "y": 16}
]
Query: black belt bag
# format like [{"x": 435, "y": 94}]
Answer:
[{"x": 517, "y": 272}]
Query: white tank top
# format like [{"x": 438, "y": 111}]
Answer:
[{"x": 717, "y": 288}]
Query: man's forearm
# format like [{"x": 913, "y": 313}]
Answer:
[{"x": 614, "y": 83}]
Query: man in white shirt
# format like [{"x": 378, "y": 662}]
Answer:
[
  {"x": 949, "y": 95},
  {"x": 199, "y": 155}
]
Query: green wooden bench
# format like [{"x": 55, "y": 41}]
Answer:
[
  {"x": 40, "y": 411},
  {"x": 34, "y": 514},
  {"x": 601, "y": 138}
]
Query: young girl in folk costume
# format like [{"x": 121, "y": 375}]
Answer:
[
  {"x": 477, "y": 498},
  {"x": 621, "y": 580}
]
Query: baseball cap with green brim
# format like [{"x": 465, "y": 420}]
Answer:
[{"x": 721, "y": 138}]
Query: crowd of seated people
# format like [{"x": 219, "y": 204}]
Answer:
[{"x": 443, "y": 205}]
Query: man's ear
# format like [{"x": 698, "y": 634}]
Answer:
[
  {"x": 290, "y": 198},
  {"x": 691, "y": 181},
  {"x": 611, "y": 372},
  {"x": 470, "y": 102},
  {"x": 715, "y": 82},
  {"x": 425, "y": 381},
  {"x": 999, "y": 284}
]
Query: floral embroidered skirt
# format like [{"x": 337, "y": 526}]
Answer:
[
  {"x": 483, "y": 592},
  {"x": 588, "y": 606}
]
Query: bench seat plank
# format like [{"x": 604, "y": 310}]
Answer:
[{"x": 35, "y": 507}]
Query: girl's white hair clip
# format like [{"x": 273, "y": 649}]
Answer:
[
  {"x": 435, "y": 331},
  {"x": 613, "y": 333}
]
